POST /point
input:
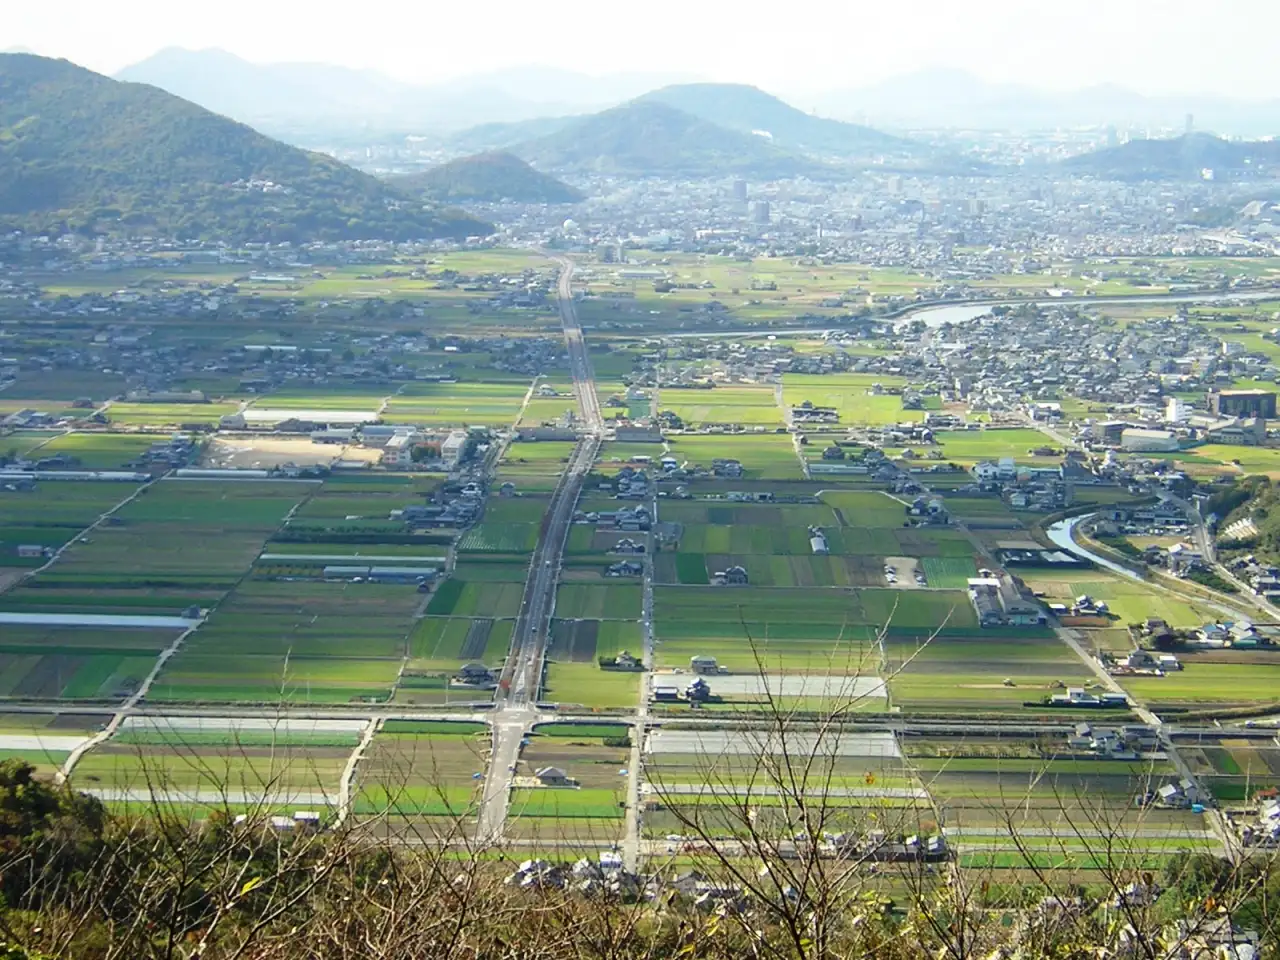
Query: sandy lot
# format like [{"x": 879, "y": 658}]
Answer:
[{"x": 262, "y": 453}]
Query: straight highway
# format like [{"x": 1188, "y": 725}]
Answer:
[{"x": 515, "y": 708}]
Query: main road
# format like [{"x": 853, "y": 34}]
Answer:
[{"x": 516, "y": 699}]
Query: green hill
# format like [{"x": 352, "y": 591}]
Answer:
[
  {"x": 647, "y": 138},
  {"x": 1181, "y": 158},
  {"x": 746, "y": 109},
  {"x": 79, "y": 151},
  {"x": 490, "y": 177}
]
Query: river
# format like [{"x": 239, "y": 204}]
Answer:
[
  {"x": 1060, "y": 534},
  {"x": 939, "y": 314}
]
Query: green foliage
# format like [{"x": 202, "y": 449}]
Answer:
[
  {"x": 490, "y": 177},
  {"x": 80, "y": 152}
]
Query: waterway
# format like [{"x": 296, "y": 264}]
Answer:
[
  {"x": 1060, "y": 534},
  {"x": 939, "y": 314}
]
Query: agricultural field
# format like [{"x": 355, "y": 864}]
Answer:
[
  {"x": 534, "y": 466},
  {"x": 1129, "y": 600},
  {"x": 456, "y": 404},
  {"x": 1233, "y": 769},
  {"x": 859, "y": 398},
  {"x": 208, "y": 765},
  {"x": 737, "y": 404},
  {"x": 45, "y": 740},
  {"x": 764, "y": 456},
  {"x": 1211, "y": 679},
  {"x": 586, "y": 684},
  {"x": 794, "y": 630},
  {"x": 420, "y": 776},
  {"x": 97, "y": 451},
  {"x": 705, "y": 782},
  {"x": 303, "y": 642},
  {"x": 174, "y": 415},
  {"x": 594, "y": 807},
  {"x": 77, "y": 663},
  {"x": 585, "y": 601},
  {"x": 972, "y": 672},
  {"x": 1077, "y": 811},
  {"x": 52, "y": 514},
  {"x": 967, "y": 447}
]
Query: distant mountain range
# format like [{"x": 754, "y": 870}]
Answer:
[
  {"x": 1195, "y": 156},
  {"x": 489, "y": 177},
  {"x": 79, "y": 151},
  {"x": 314, "y": 100},
  {"x": 947, "y": 98}
]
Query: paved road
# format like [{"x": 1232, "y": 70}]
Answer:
[{"x": 515, "y": 701}]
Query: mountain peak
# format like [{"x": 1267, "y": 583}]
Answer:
[
  {"x": 490, "y": 177},
  {"x": 84, "y": 152}
]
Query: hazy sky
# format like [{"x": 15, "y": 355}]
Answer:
[{"x": 1155, "y": 46}]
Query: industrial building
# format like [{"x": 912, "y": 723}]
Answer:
[{"x": 1243, "y": 403}]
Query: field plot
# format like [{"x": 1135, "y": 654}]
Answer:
[
  {"x": 420, "y": 775},
  {"x": 593, "y": 807},
  {"x": 1233, "y": 769},
  {"x": 46, "y": 740},
  {"x": 457, "y": 404},
  {"x": 970, "y": 446},
  {"x": 793, "y": 630},
  {"x": 98, "y": 451},
  {"x": 1128, "y": 600},
  {"x": 586, "y": 684},
  {"x": 174, "y": 415},
  {"x": 44, "y": 663},
  {"x": 707, "y": 780},
  {"x": 979, "y": 673},
  {"x": 457, "y": 598},
  {"x": 749, "y": 406},
  {"x": 583, "y": 601},
  {"x": 180, "y": 533},
  {"x": 952, "y": 573},
  {"x": 764, "y": 456},
  {"x": 534, "y": 466},
  {"x": 497, "y": 536},
  {"x": 1212, "y": 679},
  {"x": 1065, "y": 812},
  {"x": 295, "y": 641},
  {"x": 217, "y": 767},
  {"x": 51, "y": 515},
  {"x": 853, "y": 395}
]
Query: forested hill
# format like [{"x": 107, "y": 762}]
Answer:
[
  {"x": 489, "y": 177},
  {"x": 79, "y": 151}
]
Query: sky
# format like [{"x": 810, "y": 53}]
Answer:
[{"x": 1153, "y": 46}]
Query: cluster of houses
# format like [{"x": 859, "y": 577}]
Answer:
[
  {"x": 1263, "y": 578},
  {"x": 630, "y": 483},
  {"x": 1079, "y": 697},
  {"x": 1127, "y": 742},
  {"x": 604, "y": 876},
  {"x": 998, "y": 602},
  {"x": 1031, "y": 487},
  {"x": 630, "y": 519},
  {"x": 734, "y": 576},
  {"x": 697, "y": 691},
  {"x": 1140, "y": 662},
  {"x": 931, "y": 512},
  {"x": 1265, "y": 830}
]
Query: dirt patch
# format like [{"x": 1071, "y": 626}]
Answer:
[
  {"x": 477, "y": 639},
  {"x": 48, "y": 677},
  {"x": 905, "y": 572},
  {"x": 261, "y": 453},
  {"x": 9, "y": 577},
  {"x": 575, "y": 641},
  {"x": 79, "y": 721}
]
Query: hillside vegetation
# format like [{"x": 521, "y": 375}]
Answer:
[
  {"x": 79, "y": 151},
  {"x": 1180, "y": 158},
  {"x": 746, "y": 109},
  {"x": 646, "y": 138},
  {"x": 490, "y": 177}
]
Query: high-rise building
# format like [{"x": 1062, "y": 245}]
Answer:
[
  {"x": 760, "y": 211},
  {"x": 1191, "y": 122},
  {"x": 1243, "y": 403},
  {"x": 740, "y": 191}
]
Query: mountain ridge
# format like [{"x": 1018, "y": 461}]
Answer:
[{"x": 80, "y": 151}]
